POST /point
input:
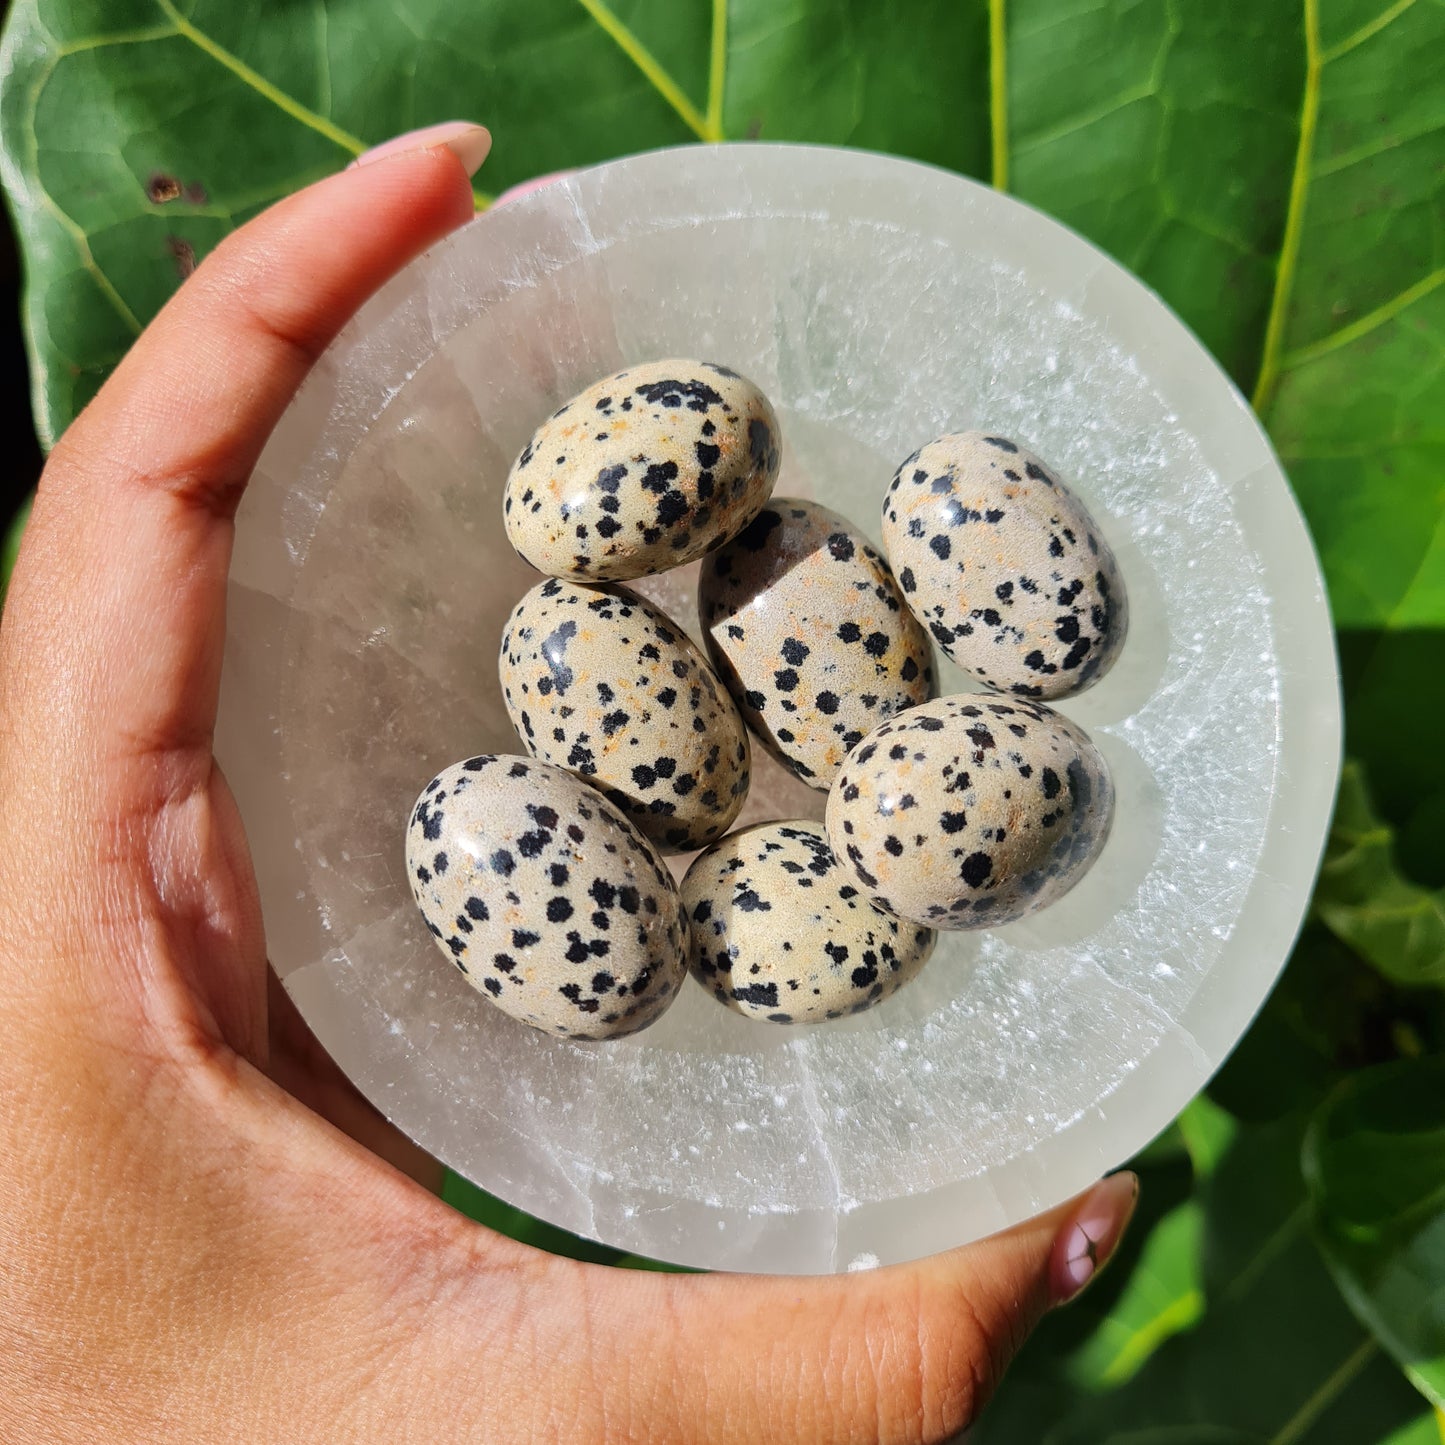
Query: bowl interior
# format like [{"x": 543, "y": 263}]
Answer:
[{"x": 879, "y": 304}]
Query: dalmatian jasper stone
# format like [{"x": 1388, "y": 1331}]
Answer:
[
  {"x": 970, "y": 811},
  {"x": 546, "y": 897},
  {"x": 601, "y": 681},
  {"x": 780, "y": 932},
  {"x": 1005, "y": 566},
  {"x": 809, "y": 631},
  {"x": 644, "y": 471}
]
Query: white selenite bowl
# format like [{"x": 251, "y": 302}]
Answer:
[{"x": 879, "y": 303}]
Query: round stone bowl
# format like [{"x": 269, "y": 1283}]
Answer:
[{"x": 879, "y": 303}]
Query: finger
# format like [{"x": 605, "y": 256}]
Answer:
[
  {"x": 118, "y": 599},
  {"x": 911, "y": 1352},
  {"x": 525, "y": 188}
]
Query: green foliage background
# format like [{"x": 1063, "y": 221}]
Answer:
[{"x": 1276, "y": 170}]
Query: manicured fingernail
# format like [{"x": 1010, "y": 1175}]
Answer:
[
  {"x": 467, "y": 142},
  {"x": 525, "y": 188},
  {"x": 1090, "y": 1237}
]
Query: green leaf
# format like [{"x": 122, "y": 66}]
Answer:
[
  {"x": 1162, "y": 1297},
  {"x": 1375, "y": 1163},
  {"x": 1352, "y": 381},
  {"x": 1362, "y": 896},
  {"x": 1429, "y": 1429},
  {"x": 1275, "y": 1356},
  {"x": 10, "y": 547},
  {"x": 136, "y": 133},
  {"x": 1165, "y": 133}
]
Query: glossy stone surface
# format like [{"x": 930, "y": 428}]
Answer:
[
  {"x": 642, "y": 471},
  {"x": 1013, "y": 577},
  {"x": 598, "y": 679},
  {"x": 545, "y": 897},
  {"x": 809, "y": 631},
  {"x": 779, "y": 931},
  {"x": 972, "y": 811},
  {"x": 371, "y": 582}
]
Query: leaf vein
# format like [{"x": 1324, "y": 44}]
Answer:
[
  {"x": 652, "y": 71},
  {"x": 1269, "y": 366},
  {"x": 258, "y": 82},
  {"x": 1388, "y": 16},
  {"x": 1371, "y": 321},
  {"x": 998, "y": 94},
  {"x": 717, "y": 67}
]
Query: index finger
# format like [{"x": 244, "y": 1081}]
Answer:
[{"x": 113, "y": 628}]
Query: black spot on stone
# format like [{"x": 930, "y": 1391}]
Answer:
[
  {"x": 754, "y": 537},
  {"x": 975, "y": 869},
  {"x": 762, "y": 995},
  {"x": 940, "y": 546}
]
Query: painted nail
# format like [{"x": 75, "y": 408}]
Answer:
[
  {"x": 525, "y": 188},
  {"x": 1085, "y": 1244},
  {"x": 467, "y": 142}
]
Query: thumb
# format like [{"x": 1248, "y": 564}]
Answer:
[{"x": 908, "y": 1353}]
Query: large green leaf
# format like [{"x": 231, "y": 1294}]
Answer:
[
  {"x": 1397, "y": 925},
  {"x": 137, "y": 132},
  {"x": 1375, "y": 1162}
]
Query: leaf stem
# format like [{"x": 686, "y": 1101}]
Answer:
[
  {"x": 1269, "y": 366},
  {"x": 1330, "y": 1389},
  {"x": 998, "y": 93}
]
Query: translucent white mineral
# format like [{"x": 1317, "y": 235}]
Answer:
[{"x": 879, "y": 303}]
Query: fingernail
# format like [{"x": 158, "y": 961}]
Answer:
[
  {"x": 467, "y": 142},
  {"x": 1087, "y": 1241},
  {"x": 525, "y": 188}
]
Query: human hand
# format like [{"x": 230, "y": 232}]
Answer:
[{"x": 191, "y": 1246}]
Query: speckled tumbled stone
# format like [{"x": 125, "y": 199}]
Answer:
[
  {"x": 1005, "y": 566},
  {"x": 781, "y": 932},
  {"x": 643, "y": 471},
  {"x": 546, "y": 897},
  {"x": 601, "y": 681},
  {"x": 971, "y": 811},
  {"x": 809, "y": 631}
]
